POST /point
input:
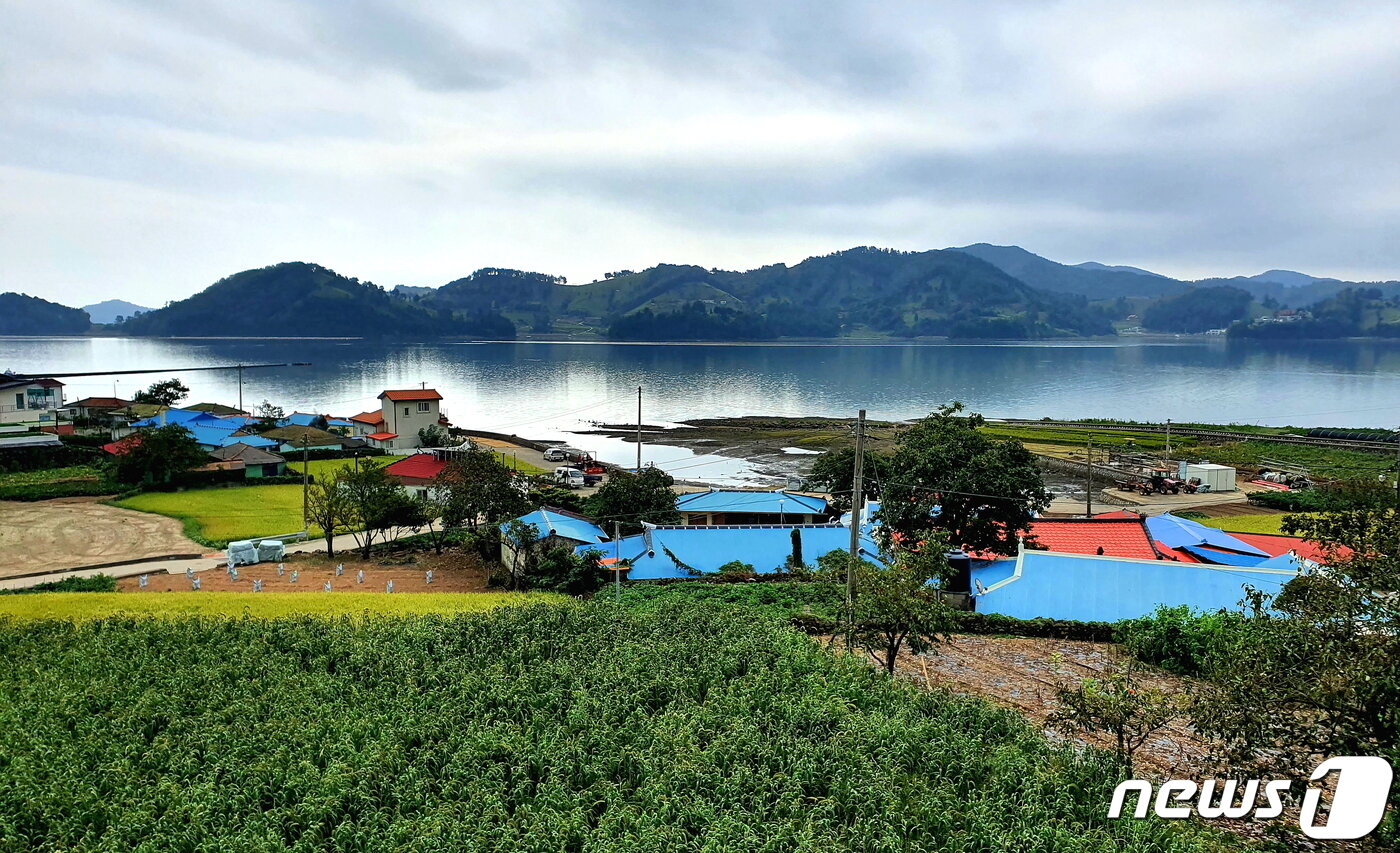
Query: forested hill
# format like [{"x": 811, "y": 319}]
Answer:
[
  {"x": 858, "y": 291},
  {"x": 29, "y": 315},
  {"x": 302, "y": 299}
]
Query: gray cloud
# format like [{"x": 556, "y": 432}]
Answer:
[{"x": 147, "y": 149}]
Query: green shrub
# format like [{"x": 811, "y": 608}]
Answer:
[
  {"x": 95, "y": 583},
  {"x": 969, "y": 622},
  {"x": 1178, "y": 639}
]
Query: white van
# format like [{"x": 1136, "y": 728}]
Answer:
[
  {"x": 570, "y": 477},
  {"x": 556, "y": 454}
]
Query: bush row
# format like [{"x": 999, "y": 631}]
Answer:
[
  {"x": 61, "y": 489},
  {"x": 96, "y": 583}
]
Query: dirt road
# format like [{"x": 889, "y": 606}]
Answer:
[{"x": 70, "y": 532}]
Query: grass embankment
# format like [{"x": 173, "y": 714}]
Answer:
[
  {"x": 87, "y": 606},
  {"x": 542, "y": 728}
]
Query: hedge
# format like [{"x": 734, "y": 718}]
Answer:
[{"x": 95, "y": 583}]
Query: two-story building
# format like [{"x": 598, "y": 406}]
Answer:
[
  {"x": 404, "y": 413},
  {"x": 29, "y": 401}
]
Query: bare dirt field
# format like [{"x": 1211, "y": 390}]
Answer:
[
  {"x": 1021, "y": 673},
  {"x": 70, "y": 532},
  {"x": 452, "y": 572}
]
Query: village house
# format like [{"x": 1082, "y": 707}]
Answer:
[
  {"x": 681, "y": 551},
  {"x": 404, "y": 413},
  {"x": 555, "y": 528},
  {"x": 97, "y": 408},
  {"x": 257, "y": 463},
  {"x": 734, "y": 507},
  {"x": 30, "y": 402}
]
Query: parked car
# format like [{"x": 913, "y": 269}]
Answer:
[
  {"x": 569, "y": 477},
  {"x": 557, "y": 454}
]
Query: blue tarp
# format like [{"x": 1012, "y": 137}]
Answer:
[
  {"x": 765, "y": 547},
  {"x": 724, "y": 500},
  {"x": 1103, "y": 589}
]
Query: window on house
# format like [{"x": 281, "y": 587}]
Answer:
[
  {"x": 423, "y": 407},
  {"x": 19, "y": 401},
  {"x": 405, "y": 411}
]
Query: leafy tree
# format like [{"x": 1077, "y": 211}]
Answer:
[
  {"x": 630, "y": 499},
  {"x": 270, "y": 413},
  {"x": 158, "y": 455},
  {"x": 986, "y": 491},
  {"x": 433, "y": 435},
  {"x": 329, "y": 506},
  {"x": 1120, "y": 704},
  {"x": 1313, "y": 671},
  {"x": 894, "y": 606},
  {"x": 167, "y": 392},
  {"x": 834, "y": 472},
  {"x": 795, "y": 560},
  {"x": 379, "y": 504},
  {"x": 559, "y": 569},
  {"x": 478, "y": 492}
]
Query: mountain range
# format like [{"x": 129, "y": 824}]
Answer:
[{"x": 975, "y": 291}]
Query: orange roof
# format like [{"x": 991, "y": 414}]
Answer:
[
  {"x": 382, "y": 436},
  {"x": 411, "y": 395},
  {"x": 124, "y": 446},
  {"x": 368, "y": 418},
  {"x": 1117, "y": 537},
  {"x": 1275, "y": 545}
]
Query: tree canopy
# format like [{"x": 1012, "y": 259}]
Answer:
[
  {"x": 630, "y": 499},
  {"x": 157, "y": 456},
  {"x": 946, "y": 475}
]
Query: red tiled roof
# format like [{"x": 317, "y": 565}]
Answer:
[
  {"x": 411, "y": 395},
  {"x": 382, "y": 436},
  {"x": 1118, "y": 513},
  {"x": 1274, "y": 545},
  {"x": 368, "y": 418},
  {"x": 420, "y": 467},
  {"x": 1118, "y": 537},
  {"x": 99, "y": 403},
  {"x": 122, "y": 447},
  {"x": 1181, "y": 555}
]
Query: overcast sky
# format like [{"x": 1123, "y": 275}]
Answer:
[{"x": 148, "y": 148}]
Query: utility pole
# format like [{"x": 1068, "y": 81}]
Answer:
[
  {"x": 1169, "y": 440},
  {"x": 639, "y": 429},
  {"x": 306, "y": 481},
  {"x": 617, "y": 561},
  {"x": 857, "y": 506},
  {"x": 240, "y": 387},
  {"x": 1089, "y": 476}
]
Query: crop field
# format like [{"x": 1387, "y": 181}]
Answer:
[
  {"x": 216, "y": 517},
  {"x": 87, "y": 606},
  {"x": 322, "y": 467},
  {"x": 525, "y": 729},
  {"x": 1246, "y": 523}
]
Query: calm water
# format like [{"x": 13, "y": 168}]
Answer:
[{"x": 543, "y": 390}]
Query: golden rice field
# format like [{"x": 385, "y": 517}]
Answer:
[{"x": 86, "y": 606}]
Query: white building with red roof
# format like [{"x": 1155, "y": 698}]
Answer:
[{"x": 403, "y": 414}]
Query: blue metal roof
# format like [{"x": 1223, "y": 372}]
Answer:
[
  {"x": 1223, "y": 558},
  {"x": 727, "y": 500},
  {"x": 1107, "y": 589},
  {"x": 183, "y": 417},
  {"x": 765, "y": 547},
  {"x": 563, "y": 525},
  {"x": 1176, "y": 532},
  {"x": 214, "y": 437},
  {"x": 303, "y": 419}
]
